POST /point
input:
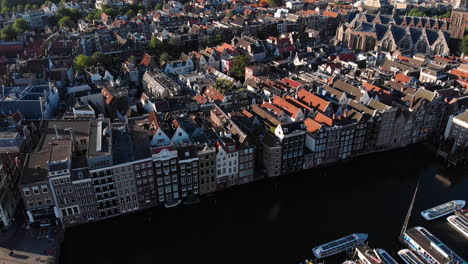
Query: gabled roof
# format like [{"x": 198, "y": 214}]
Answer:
[
  {"x": 312, "y": 125},
  {"x": 323, "y": 119},
  {"x": 402, "y": 78},
  {"x": 290, "y": 109},
  {"x": 213, "y": 94},
  {"x": 348, "y": 89},
  {"x": 313, "y": 100}
]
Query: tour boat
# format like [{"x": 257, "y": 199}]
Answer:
[
  {"x": 429, "y": 248},
  {"x": 383, "y": 255},
  {"x": 443, "y": 209},
  {"x": 459, "y": 221},
  {"x": 409, "y": 257},
  {"x": 339, "y": 245}
]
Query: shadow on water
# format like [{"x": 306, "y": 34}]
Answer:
[{"x": 279, "y": 220}]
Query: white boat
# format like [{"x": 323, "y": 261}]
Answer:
[
  {"x": 443, "y": 209},
  {"x": 339, "y": 245},
  {"x": 429, "y": 248},
  {"x": 385, "y": 257},
  {"x": 349, "y": 262},
  {"x": 459, "y": 221},
  {"x": 409, "y": 257}
]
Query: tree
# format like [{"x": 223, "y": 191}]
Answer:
[
  {"x": 446, "y": 15},
  {"x": 416, "y": 12},
  {"x": 155, "y": 43},
  {"x": 99, "y": 57},
  {"x": 238, "y": 66},
  {"x": 165, "y": 57},
  {"x": 8, "y": 33},
  {"x": 224, "y": 86},
  {"x": 159, "y": 6},
  {"x": 130, "y": 13},
  {"x": 464, "y": 46},
  {"x": 82, "y": 62},
  {"x": 273, "y": 3},
  {"x": 66, "y": 22},
  {"x": 21, "y": 25}
]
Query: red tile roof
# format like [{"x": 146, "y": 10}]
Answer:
[
  {"x": 459, "y": 73},
  {"x": 291, "y": 83},
  {"x": 292, "y": 110},
  {"x": 146, "y": 60},
  {"x": 312, "y": 125},
  {"x": 330, "y": 14},
  {"x": 213, "y": 94},
  {"x": 370, "y": 87},
  {"x": 402, "y": 78},
  {"x": 247, "y": 113},
  {"x": 201, "y": 99},
  {"x": 313, "y": 100},
  {"x": 297, "y": 103},
  {"x": 323, "y": 119},
  {"x": 403, "y": 58}
]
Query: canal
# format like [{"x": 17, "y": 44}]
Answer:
[{"x": 279, "y": 220}]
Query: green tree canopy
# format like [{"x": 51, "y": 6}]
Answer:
[
  {"x": 21, "y": 25},
  {"x": 8, "y": 33},
  {"x": 224, "y": 86},
  {"x": 66, "y": 21},
  {"x": 159, "y": 6},
  {"x": 82, "y": 62},
  {"x": 155, "y": 43},
  {"x": 165, "y": 57},
  {"x": 130, "y": 13},
  {"x": 416, "y": 12},
  {"x": 464, "y": 46},
  {"x": 274, "y": 3},
  {"x": 238, "y": 66}
]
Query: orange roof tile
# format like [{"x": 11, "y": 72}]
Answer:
[
  {"x": 213, "y": 94},
  {"x": 312, "y": 125},
  {"x": 313, "y": 100},
  {"x": 296, "y": 102},
  {"x": 292, "y": 110},
  {"x": 459, "y": 73},
  {"x": 330, "y": 14},
  {"x": 323, "y": 119},
  {"x": 200, "y": 99},
  {"x": 402, "y": 78},
  {"x": 247, "y": 113},
  {"x": 292, "y": 83}
]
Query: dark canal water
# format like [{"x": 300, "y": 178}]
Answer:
[{"x": 281, "y": 219}]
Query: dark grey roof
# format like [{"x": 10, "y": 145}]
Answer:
[{"x": 30, "y": 109}]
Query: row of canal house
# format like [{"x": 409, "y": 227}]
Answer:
[
  {"x": 87, "y": 170},
  {"x": 325, "y": 123}
]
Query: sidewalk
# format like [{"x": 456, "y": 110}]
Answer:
[
  {"x": 29, "y": 246},
  {"x": 20, "y": 257}
]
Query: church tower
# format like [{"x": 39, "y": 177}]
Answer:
[{"x": 459, "y": 19}]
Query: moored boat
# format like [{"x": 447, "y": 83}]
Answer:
[
  {"x": 443, "y": 209},
  {"x": 459, "y": 222},
  {"x": 409, "y": 257},
  {"x": 429, "y": 248},
  {"x": 385, "y": 256},
  {"x": 339, "y": 245}
]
